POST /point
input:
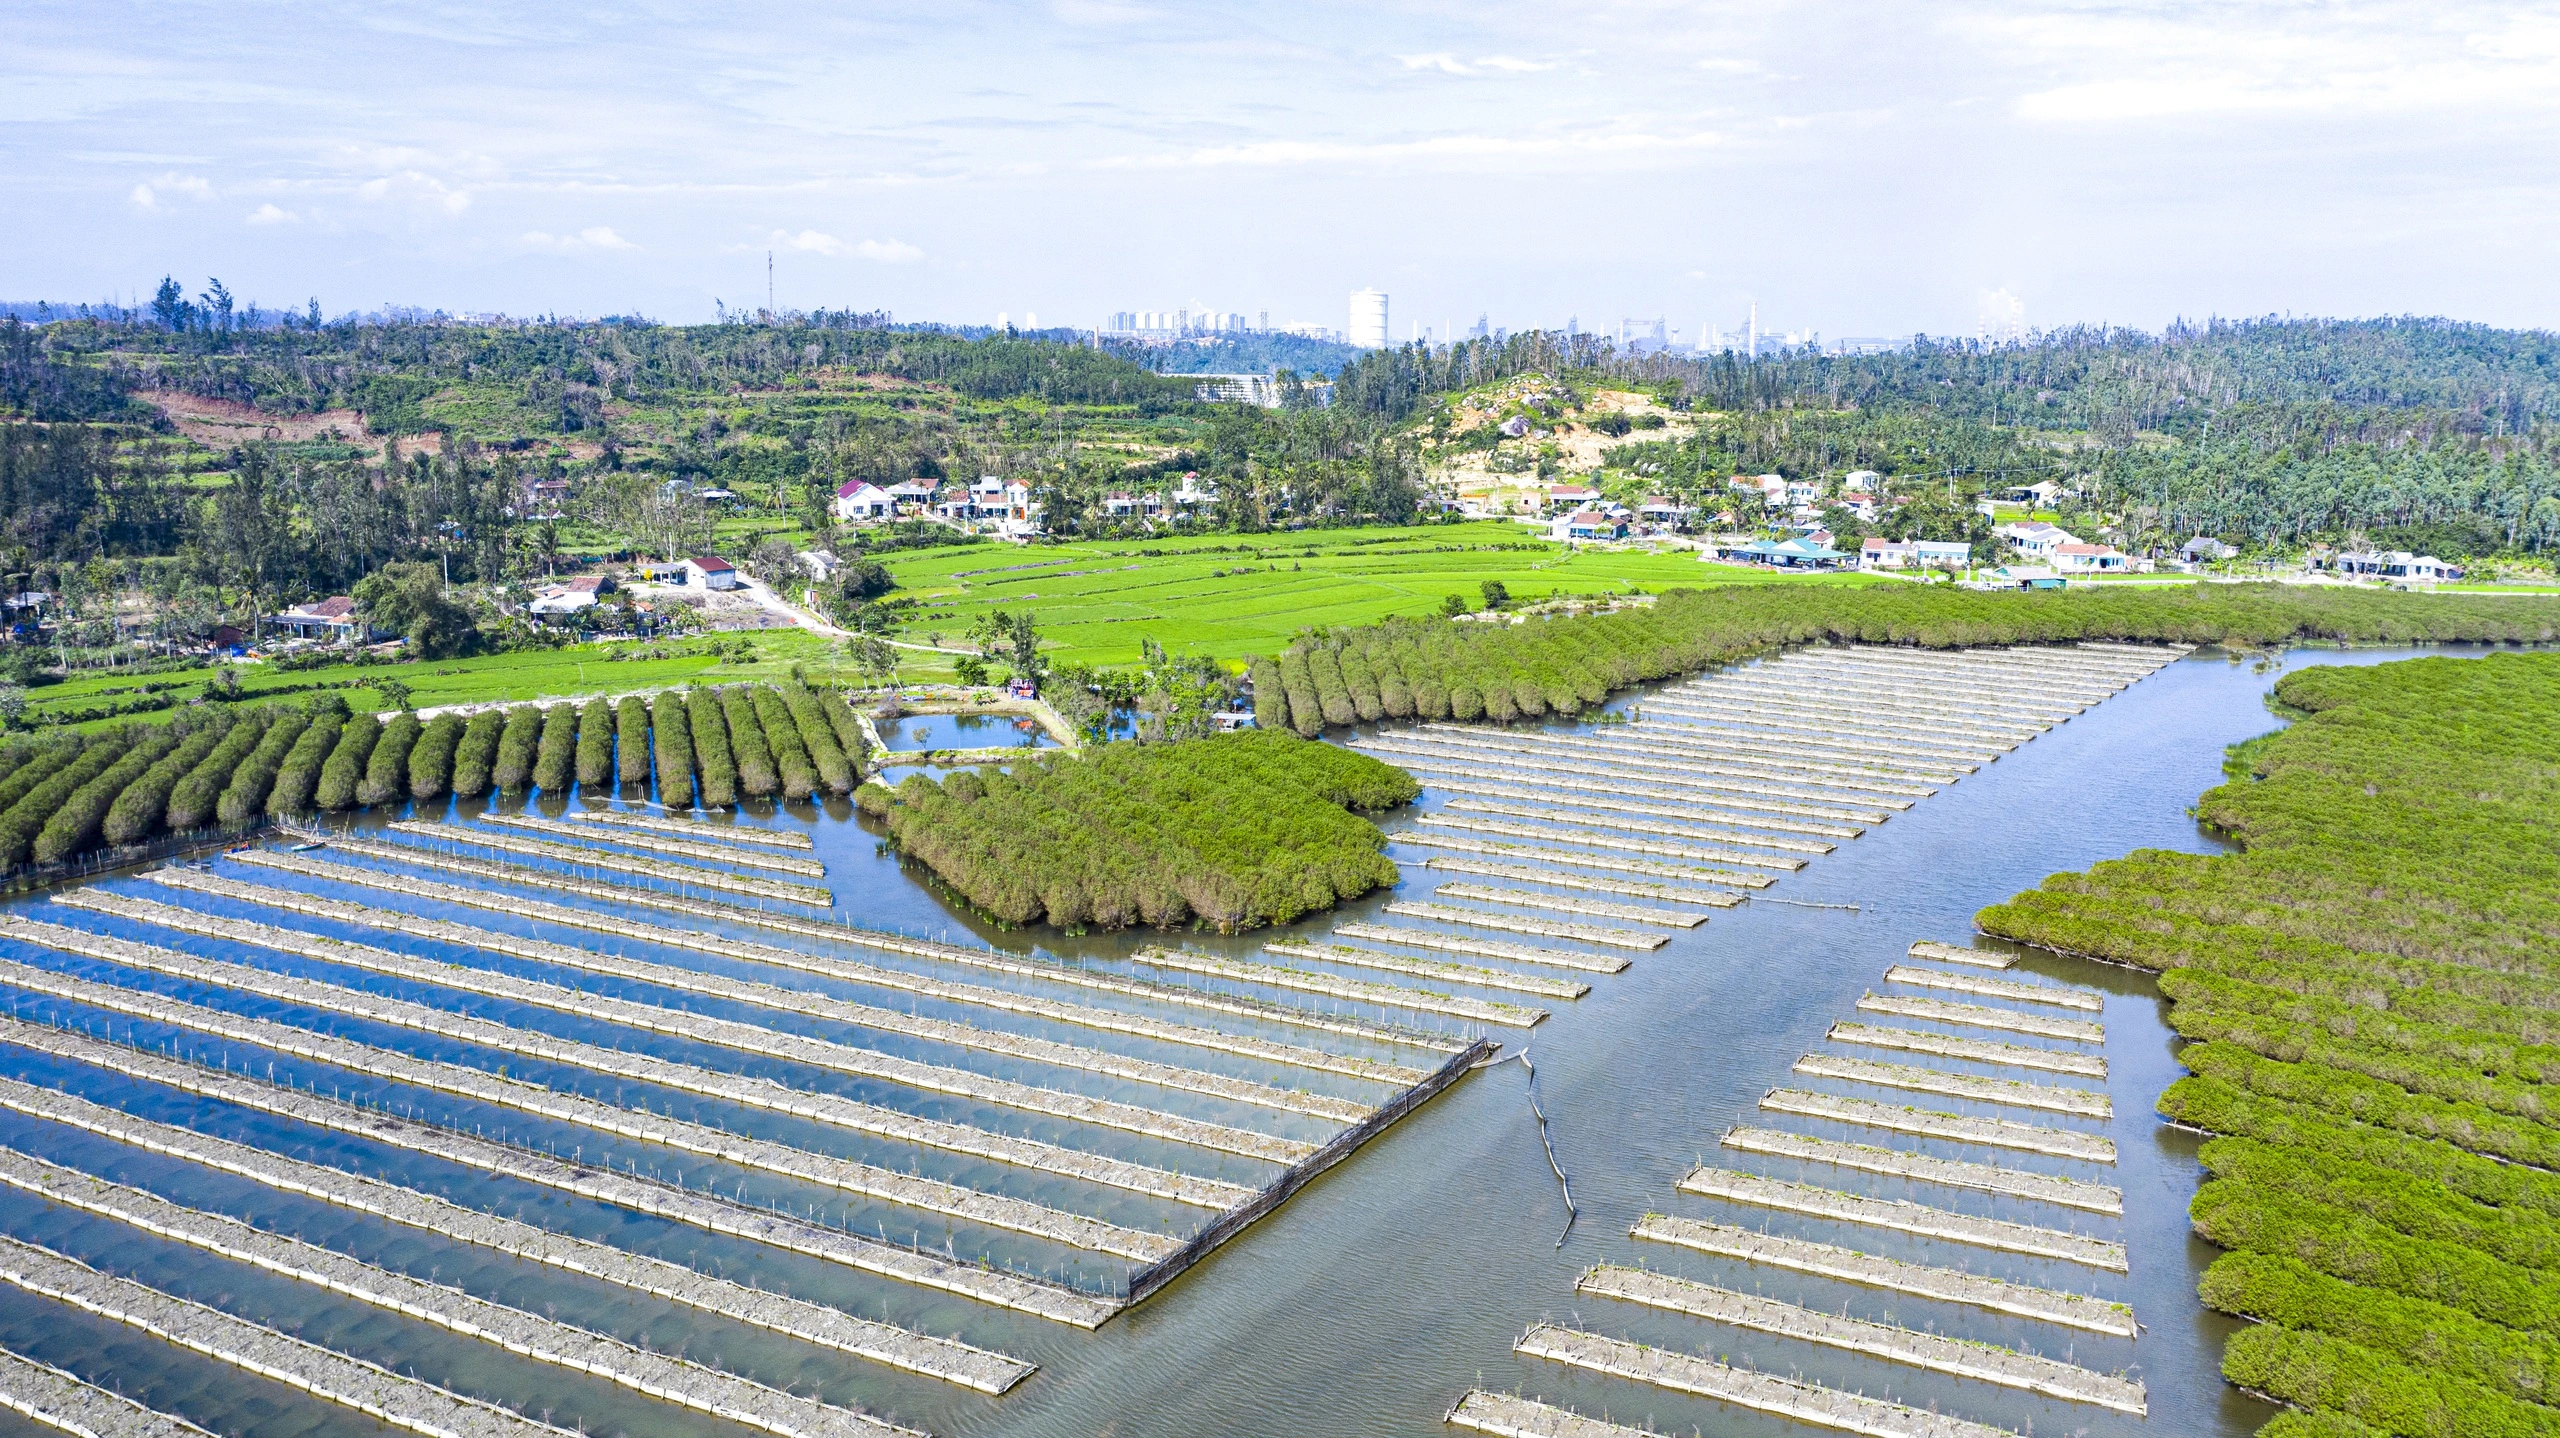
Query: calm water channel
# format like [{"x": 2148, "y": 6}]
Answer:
[{"x": 1375, "y": 1297}]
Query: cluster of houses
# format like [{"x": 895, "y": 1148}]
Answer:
[
  {"x": 1574, "y": 512},
  {"x": 1006, "y": 508}
]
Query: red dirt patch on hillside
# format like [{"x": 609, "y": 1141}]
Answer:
[{"x": 222, "y": 423}]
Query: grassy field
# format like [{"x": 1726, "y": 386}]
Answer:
[{"x": 1242, "y": 594}]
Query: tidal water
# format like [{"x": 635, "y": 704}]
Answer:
[{"x": 1370, "y": 1301}]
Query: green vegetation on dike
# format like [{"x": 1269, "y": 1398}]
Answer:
[
  {"x": 1440, "y": 669},
  {"x": 2373, "y": 985},
  {"x": 1237, "y": 831}
]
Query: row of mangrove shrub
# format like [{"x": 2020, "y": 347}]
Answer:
[
  {"x": 782, "y": 735},
  {"x": 2517, "y": 1235},
  {"x": 838, "y": 713},
  {"x": 245, "y": 798},
  {"x": 713, "y": 759},
  {"x": 62, "y": 795},
  {"x": 671, "y": 737},
  {"x": 41, "y": 762},
  {"x": 2250, "y": 1218},
  {"x": 1236, "y": 830},
  {"x": 748, "y": 748},
  {"x": 1467, "y": 670},
  {"x": 2373, "y": 999},
  {"x": 299, "y": 776},
  {"x": 556, "y": 753},
  {"x": 344, "y": 771},
  {"x": 595, "y": 745},
  {"x": 631, "y": 743},
  {"x": 74, "y": 827},
  {"x": 475, "y": 758},
  {"x": 818, "y": 736},
  {"x": 512, "y": 770},
  {"x": 139, "y": 810},
  {"x": 197, "y": 800},
  {"x": 2275, "y": 1288},
  {"x": 2407, "y": 1400},
  {"x": 432, "y": 759},
  {"x": 386, "y": 770},
  {"x": 25, "y": 819}
]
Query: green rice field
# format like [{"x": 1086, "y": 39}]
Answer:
[{"x": 1233, "y": 595}]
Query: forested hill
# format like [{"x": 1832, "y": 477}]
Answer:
[
  {"x": 85, "y": 369},
  {"x": 2270, "y": 430},
  {"x": 2112, "y": 382}
]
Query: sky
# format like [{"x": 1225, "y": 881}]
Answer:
[{"x": 1853, "y": 169}]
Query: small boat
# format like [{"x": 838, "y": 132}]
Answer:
[{"x": 307, "y": 846}]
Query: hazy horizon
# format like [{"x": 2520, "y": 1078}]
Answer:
[{"x": 1857, "y": 170}]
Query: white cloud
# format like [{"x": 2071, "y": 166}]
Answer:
[
  {"x": 2339, "y": 60},
  {"x": 1445, "y": 63},
  {"x": 816, "y": 242},
  {"x": 271, "y": 214},
  {"x": 593, "y": 237},
  {"x": 143, "y": 199},
  {"x": 1287, "y": 153},
  {"x": 416, "y": 186}
]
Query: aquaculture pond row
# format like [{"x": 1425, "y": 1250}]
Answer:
[
  {"x": 616, "y": 1122},
  {"x": 1727, "y": 786}
]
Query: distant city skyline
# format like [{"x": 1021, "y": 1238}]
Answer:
[{"x": 1863, "y": 169}]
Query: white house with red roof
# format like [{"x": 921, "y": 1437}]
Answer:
[{"x": 860, "y": 499}]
